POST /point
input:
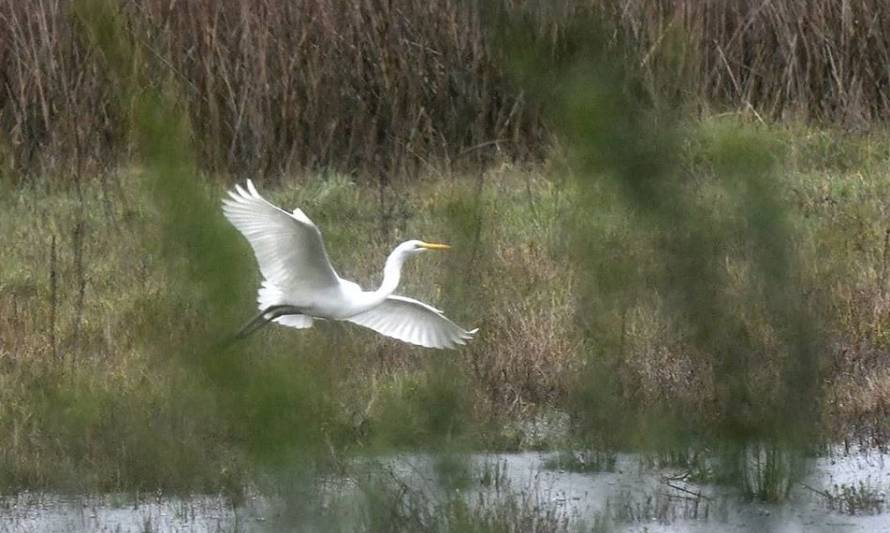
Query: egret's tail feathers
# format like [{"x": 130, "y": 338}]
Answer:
[{"x": 269, "y": 295}]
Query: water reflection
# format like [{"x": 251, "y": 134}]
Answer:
[{"x": 841, "y": 492}]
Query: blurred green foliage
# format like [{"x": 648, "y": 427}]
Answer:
[
  {"x": 714, "y": 250},
  {"x": 273, "y": 404}
]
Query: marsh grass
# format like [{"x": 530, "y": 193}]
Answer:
[
  {"x": 768, "y": 471},
  {"x": 390, "y": 89},
  {"x": 119, "y": 409},
  {"x": 395, "y": 503},
  {"x": 661, "y": 506},
  {"x": 582, "y": 461},
  {"x": 126, "y": 372},
  {"x": 865, "y": 497},
  {"x": 659, "y": 283},
  {"x": 669, "y": 284}
]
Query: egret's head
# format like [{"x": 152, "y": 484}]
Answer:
[{"x": 415, "y": 246}]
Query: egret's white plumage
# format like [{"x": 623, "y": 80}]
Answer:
[{"x": 297, "y": 273}]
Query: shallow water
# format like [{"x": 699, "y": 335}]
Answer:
[{"x": 630, "y": 496}]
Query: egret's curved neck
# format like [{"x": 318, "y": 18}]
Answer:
[{"x": 392, "y": 273}]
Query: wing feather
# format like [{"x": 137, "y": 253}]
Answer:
[
  {"x": 414, "y": 322},
  {"x": 289, "y": 248}
]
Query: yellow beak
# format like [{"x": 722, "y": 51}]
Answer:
[{"x": 434, "y": 246}]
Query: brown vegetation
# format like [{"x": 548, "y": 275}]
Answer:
[
  {"x": 387, "y": 88},
  {"x": 804, "y": 59}
]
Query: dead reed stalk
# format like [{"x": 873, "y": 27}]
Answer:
[{"x": 53, "y": 296}]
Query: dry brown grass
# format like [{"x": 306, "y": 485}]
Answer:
[
  {"x": 819, "y": 59},
  {"x": 858, "y": 396},
  {"x": 531, "y": 343},
  {"x": 396, "y": 87},
  {"x": 271, "y": 87}
]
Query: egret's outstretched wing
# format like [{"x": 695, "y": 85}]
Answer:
[
  {"x": 412, "y": 321},
  {"x": 289, "y": 248}
]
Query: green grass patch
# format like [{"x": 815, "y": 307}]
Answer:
[{"x": 110, "y": 378}]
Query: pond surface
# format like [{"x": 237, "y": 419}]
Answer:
[{"x": 840, "y": 493}]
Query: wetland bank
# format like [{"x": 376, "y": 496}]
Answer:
[
  {"x": 682, "y": 310},
  {"x": 529, "y": 491}
]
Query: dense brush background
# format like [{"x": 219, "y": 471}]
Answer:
[{"x": 395, "y": 86}]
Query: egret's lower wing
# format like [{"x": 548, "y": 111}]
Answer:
[
  {"x": 414, "y": 322},
  {"x": 295, "y": 321}
]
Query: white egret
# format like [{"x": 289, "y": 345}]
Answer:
[{"x": 300, "y": 284}]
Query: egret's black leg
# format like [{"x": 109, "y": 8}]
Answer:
[
  {"x": 253, "y": 321},
  {"x": 264, "y": 317},
  {"x": 261, "y": 319}
]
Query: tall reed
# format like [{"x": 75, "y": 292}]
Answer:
[{"x": 391, "y": 87}]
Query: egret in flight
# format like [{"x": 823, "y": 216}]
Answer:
[{"x": 300, "y": 285}]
